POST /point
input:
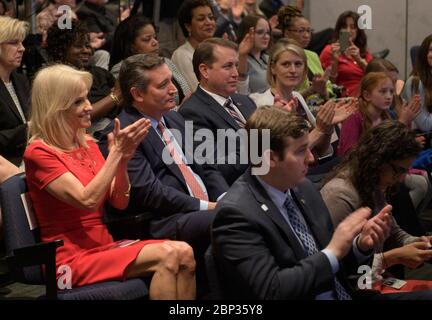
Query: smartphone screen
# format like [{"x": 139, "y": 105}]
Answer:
[{"x": 344, "y": 40}]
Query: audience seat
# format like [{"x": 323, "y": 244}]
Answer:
[
  {"x": 215, "y": 289},
  {"x": 26, "y": 255},
  {"x": 124, "y": 225}
]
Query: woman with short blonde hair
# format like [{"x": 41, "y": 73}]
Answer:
[
  {"x": 12, "y": 29},
  {"x": 276, "y": 51},
  {"x": 14, "y": 90},
  {"x": 49, "y": 116},
  {"x": 287, "y": 69},
  {"x": 69, "y": 182}
]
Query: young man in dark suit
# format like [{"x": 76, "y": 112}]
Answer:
[
  {"x": 179, "y": 192},
  {"x": 215, "y": 105},
  {"x": 272, "y": 236}
]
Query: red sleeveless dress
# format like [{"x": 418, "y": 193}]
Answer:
[{"x": 89, "y": 249}]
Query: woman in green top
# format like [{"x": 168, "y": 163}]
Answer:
[{"x": 316, "y": 88}]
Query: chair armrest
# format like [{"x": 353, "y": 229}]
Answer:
[
  {"x": 36, "y": 254},
  {"x": 43, "y": 253}
]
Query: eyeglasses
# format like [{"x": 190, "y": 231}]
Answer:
[
  {"x": 301, "y": 31},
  {"x": 262, "y": 32},
  {"x": 398, "y": 170}
]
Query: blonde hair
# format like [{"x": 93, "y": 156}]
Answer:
[
  {"x": 11, "y": 29},
  {"x": 276, "y": 51},
  {"x": 54, "y": 91}
]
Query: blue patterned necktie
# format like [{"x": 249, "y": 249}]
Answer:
[
  {"x": 307, "y": 240},
  {"x": 233, "y": 112}
]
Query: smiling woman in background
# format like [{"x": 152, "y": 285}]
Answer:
[
  {"x": 72, "y": 47},
  {"x": 196, "y": 18},
  {"x": 137, "y": 35}
]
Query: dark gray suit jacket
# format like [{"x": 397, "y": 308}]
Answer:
[
  {"x": 258, "y": 254},
  {"x": 156, "y": 186},
  {"x": 206, "y": 112}
]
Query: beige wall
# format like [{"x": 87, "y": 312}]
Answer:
[
  {"x": 389, "y": 24},
  {"x": 419, "y": 22}
]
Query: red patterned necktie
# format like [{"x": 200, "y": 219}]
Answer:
[
  {"x": 190, "y": 179},
  {"x": 232, "y": 111}
]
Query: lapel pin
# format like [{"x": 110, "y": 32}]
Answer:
[
  {"x": 264, "y": 207},
  {"x": 303, "y": 201}
]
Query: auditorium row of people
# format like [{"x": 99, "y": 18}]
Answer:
[
  {"x": 67, "y": 171},
  {"x": 183, "y": 194}
]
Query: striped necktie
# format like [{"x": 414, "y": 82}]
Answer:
[
  {"x": 229, "y": 106},
  {"x": 190, "y": 179},
  {"x": 308, "y": 241}
]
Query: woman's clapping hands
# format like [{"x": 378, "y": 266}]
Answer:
[{"x": 126, "y": 140}]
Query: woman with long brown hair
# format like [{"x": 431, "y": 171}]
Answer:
[
  {"x": 368, "y": 176},
  {"x": 347, "y": 68},
  {"x": 420, "y": 83}
]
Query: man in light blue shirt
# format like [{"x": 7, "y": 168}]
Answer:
[
  {"x": 272, "y": 235},
  {"x": 176, "y": 189}
]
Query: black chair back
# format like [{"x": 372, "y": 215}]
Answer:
[
  {"x": 18, "y": 234},
  {"x": 216, "y": 292}
]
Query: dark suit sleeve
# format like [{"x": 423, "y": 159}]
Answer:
[
  {"x": 229, "y": 171},
  {"x": 147, "y": 192},
  {"x": 13, "y": 139},
  {"x": 243, "y": 253},
  {"x": 13, "y": 132},
  {"x": 150, "y": 194},
  {"x": 214, "y": 181},
  {"x": 349, "y": 264},
  {"x": 212, "y": 178}
]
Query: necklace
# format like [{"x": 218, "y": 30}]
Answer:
[
  {"x": 274, "y": 92},
  {"x": 80, "y": 157},
  {"x": 91, "y": 163}
]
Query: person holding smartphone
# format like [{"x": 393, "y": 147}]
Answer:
[{"x": 347, "y": 55}]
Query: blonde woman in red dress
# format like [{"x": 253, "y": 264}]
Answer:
[{"x": 69, "y": 182}]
